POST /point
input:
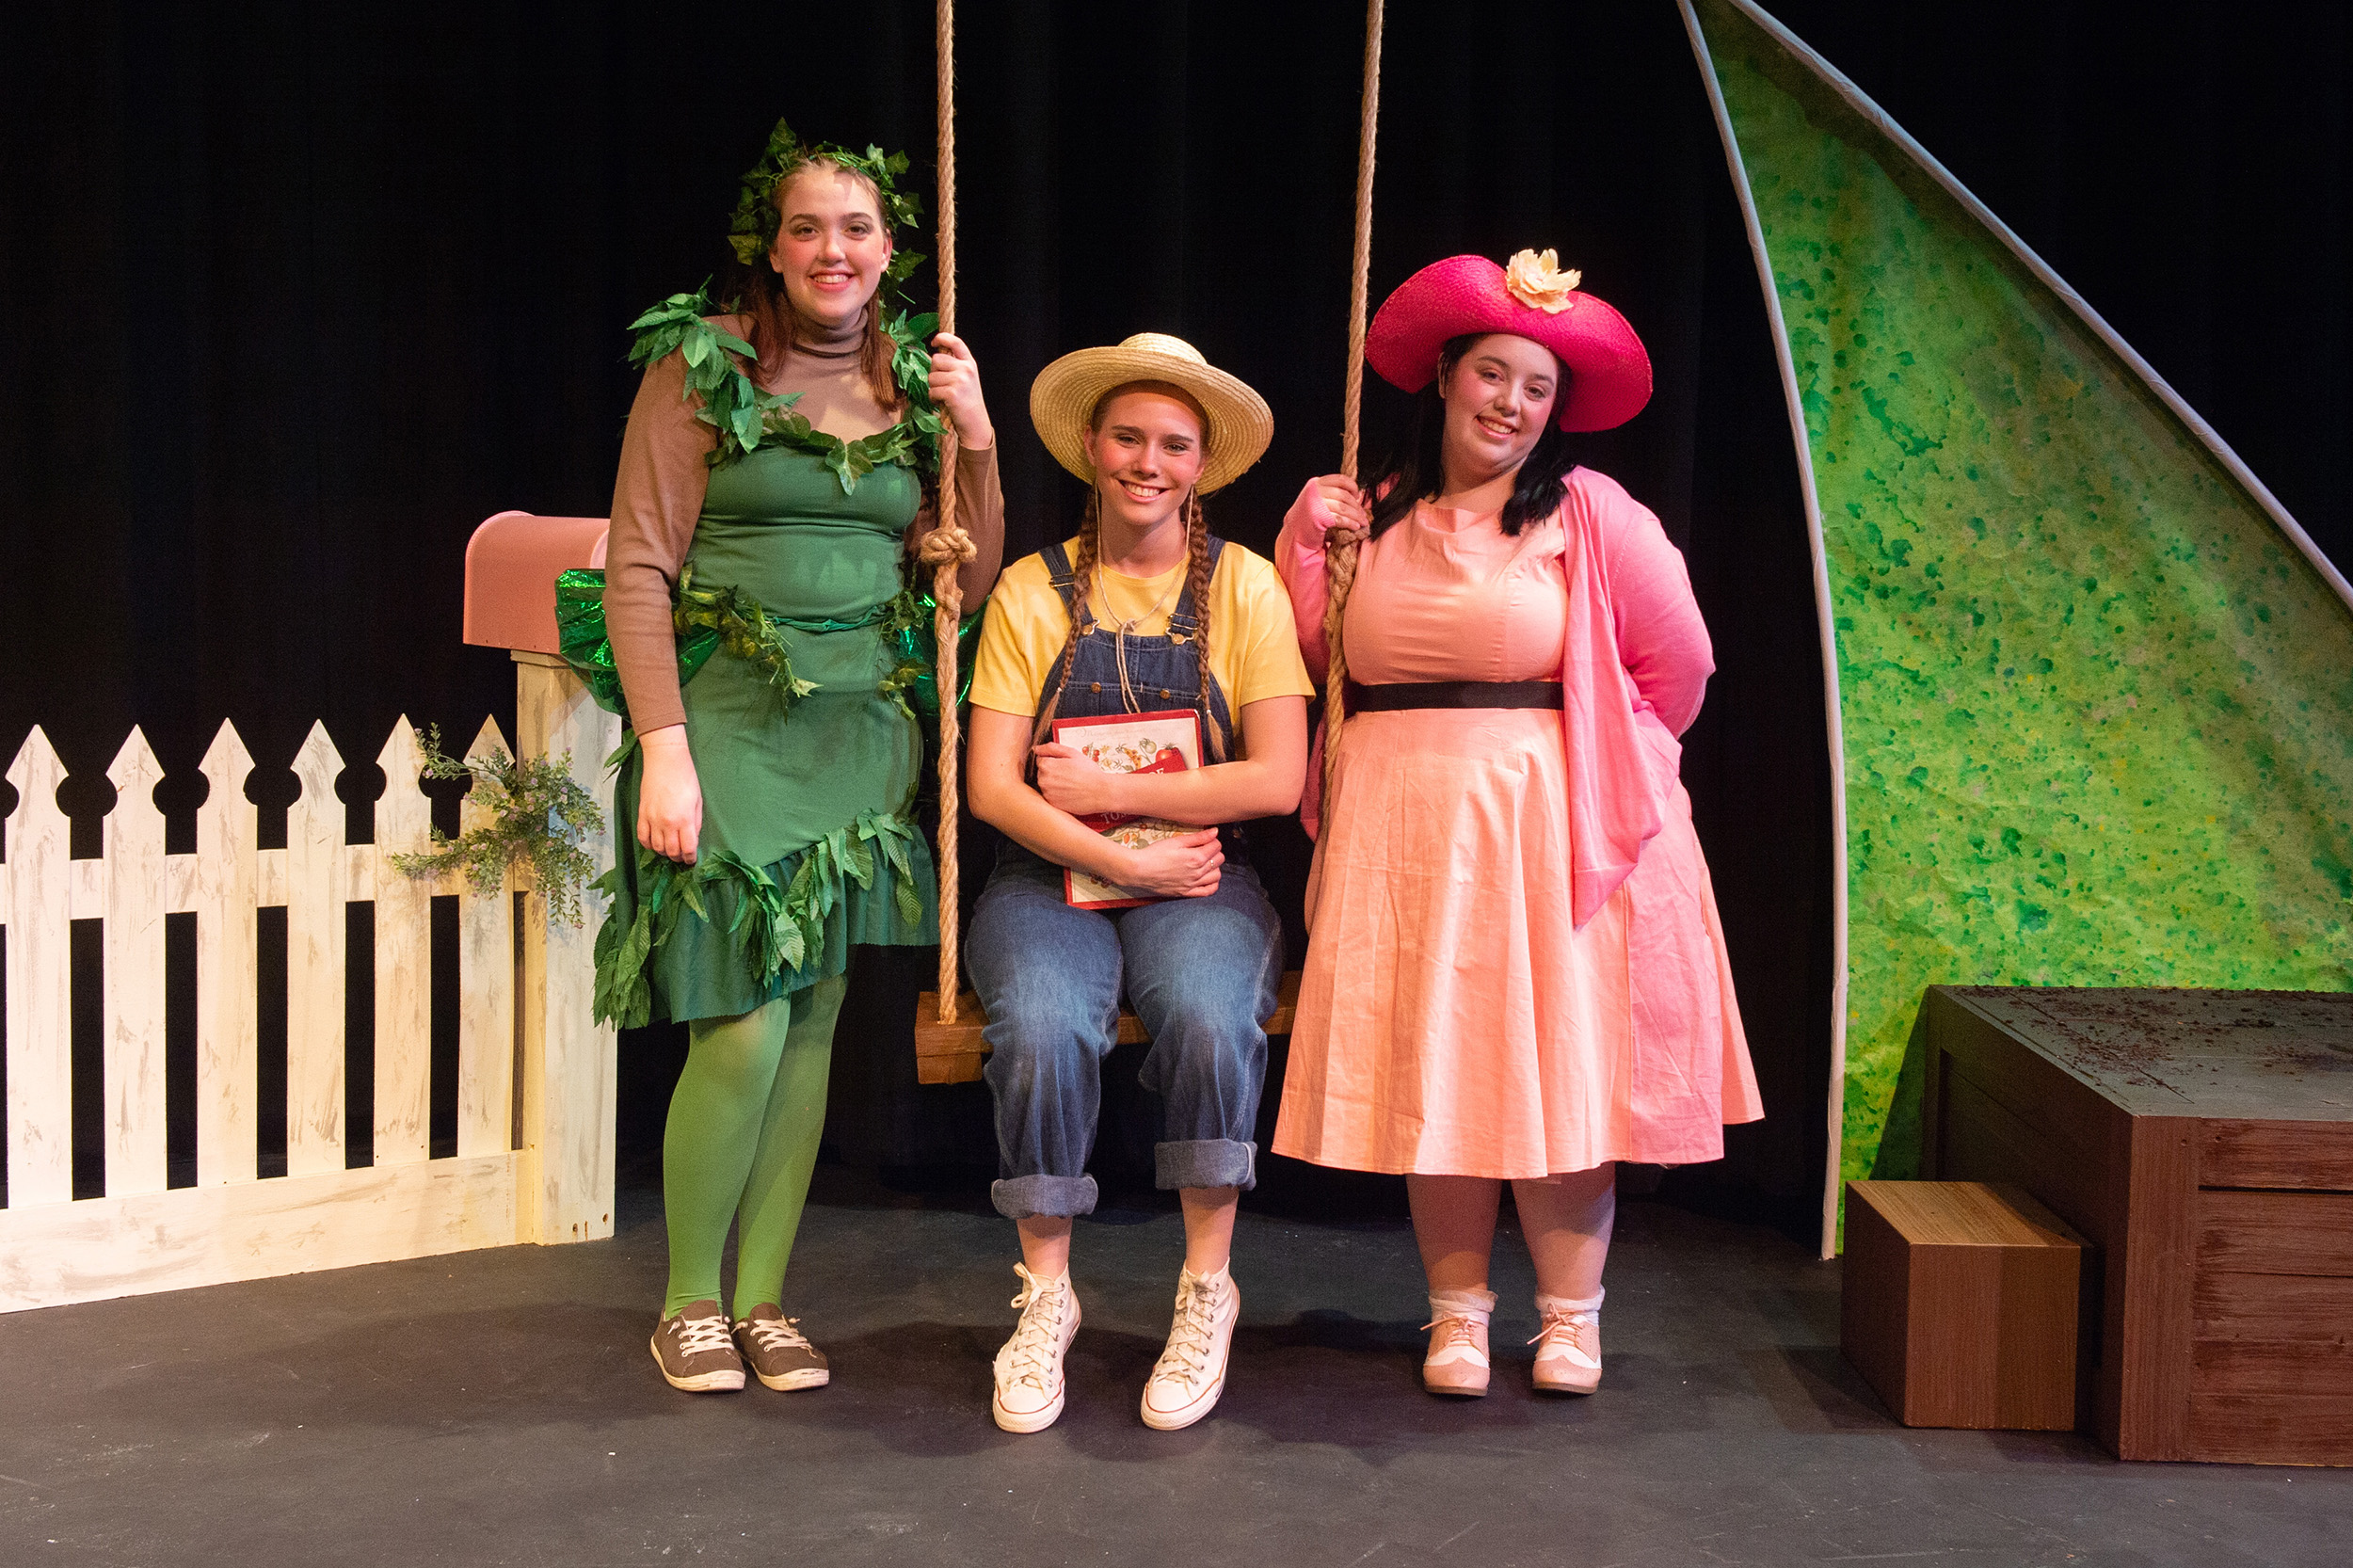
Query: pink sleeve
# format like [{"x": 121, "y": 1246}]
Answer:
[
  {"x": 1662, "y": 640},
  {"x": 1299, "y": 562}
]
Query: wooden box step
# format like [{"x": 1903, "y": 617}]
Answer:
[
  {"x": 1961, "y": 1305},
  {"x": 953, "y": 1053}
]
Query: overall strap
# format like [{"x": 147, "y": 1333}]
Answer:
[
  {"x": 1061, "y": 573},
  {"x": 1184, "y": 617}
]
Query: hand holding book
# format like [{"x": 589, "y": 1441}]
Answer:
[{"x": 1079, "y": 773}]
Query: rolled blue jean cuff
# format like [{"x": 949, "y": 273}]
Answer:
[
  {"x": 1043, "y": 1198},
  {"x": 1206, "y": 1162}
]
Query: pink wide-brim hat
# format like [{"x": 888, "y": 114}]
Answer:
[{"x": 1608, "y": 368}]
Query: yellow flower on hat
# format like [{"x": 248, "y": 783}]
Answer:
[{"x": 1538, "y": 280}]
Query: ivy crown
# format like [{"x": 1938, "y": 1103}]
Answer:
[{"x": 753, "y": 227}]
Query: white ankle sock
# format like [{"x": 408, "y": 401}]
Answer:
[
  {"x": 1569, "y": 1303},
  {"x": 1478, "y": 1305}
]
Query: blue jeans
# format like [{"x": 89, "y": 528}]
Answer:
[{"x": 1201, "y": 975}]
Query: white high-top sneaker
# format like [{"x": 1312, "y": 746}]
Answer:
[
  {"x": 1029, "y": 1393},
  {"x": 1190, "y": 1374}
]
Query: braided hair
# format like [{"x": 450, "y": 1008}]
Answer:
[{"x": 1198, "y": 569}]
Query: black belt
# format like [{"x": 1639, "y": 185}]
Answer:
[{"x": 1391, "y": 695}]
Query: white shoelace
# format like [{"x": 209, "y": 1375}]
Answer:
[
  {"x": 1038, "y": 1336},
  {"x": 698, "y": 1335},
  {"x": 777, "y": 1334},
  {"x": 1196, "y": 1321}
]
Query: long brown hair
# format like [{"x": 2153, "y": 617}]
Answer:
[{"x": 758, "y": 290}]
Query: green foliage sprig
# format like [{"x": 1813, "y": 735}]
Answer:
[{"x": 540, "y": 815}]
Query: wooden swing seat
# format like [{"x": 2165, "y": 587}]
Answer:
[{"x": 953, "y": 1053}]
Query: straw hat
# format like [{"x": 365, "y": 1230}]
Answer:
[
  {"x": 1608, "y": 368},
  {"x": 1063, "y": 396}
]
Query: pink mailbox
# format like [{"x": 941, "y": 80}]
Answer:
[{"x": 511, "y": 564}]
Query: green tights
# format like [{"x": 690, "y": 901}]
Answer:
[{"x": 741, "y": 1141}]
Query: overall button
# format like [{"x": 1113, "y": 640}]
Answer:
[
  {"x": 1095, "y": 685},
  {"x": 1163, "y": 693}
]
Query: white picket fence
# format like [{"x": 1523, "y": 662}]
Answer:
[{"x": 524, "y": 1003}]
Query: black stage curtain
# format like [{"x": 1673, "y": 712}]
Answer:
[{"x": 295, "y": 296}]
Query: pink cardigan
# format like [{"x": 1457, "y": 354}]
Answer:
[{"x": 1635, "y": 665}]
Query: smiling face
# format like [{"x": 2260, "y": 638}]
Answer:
[
  {"x": 832, "y": 245},
  {"x": 1147, "y": 447},
  {"x": 1499, "y": 396}
]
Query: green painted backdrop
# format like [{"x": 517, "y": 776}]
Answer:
[{"x": 2098, "y": 710}]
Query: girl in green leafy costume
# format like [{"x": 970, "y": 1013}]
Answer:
[{"x": 762, "y": 614}]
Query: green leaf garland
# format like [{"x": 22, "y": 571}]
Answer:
[{"x": 747, "y": 418}]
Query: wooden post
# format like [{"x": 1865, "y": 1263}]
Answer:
[
  {"x": 318, "y": 877},
  {"x": 485, "y": 991},
  {"x": 403, "y": 943},
  {"x": 136, "y": 894},
  {"x": 227, "y": 888},
  {"x": 40, "y": 1051},
  {"x": 569, "y": 1070}
]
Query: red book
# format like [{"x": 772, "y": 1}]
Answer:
[{"x": 1165, "y": 741}]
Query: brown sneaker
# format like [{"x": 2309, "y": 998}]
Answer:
[
  {"x": 695, "y": 1352},
  {"x": 780, "y": 1354}
]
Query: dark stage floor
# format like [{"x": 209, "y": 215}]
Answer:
[{"x": 500, "y": 1408}]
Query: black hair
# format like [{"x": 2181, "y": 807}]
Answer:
[{"x": 1415, "y": 468}]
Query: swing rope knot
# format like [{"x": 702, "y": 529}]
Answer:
[{"x": 945, "y": 543}]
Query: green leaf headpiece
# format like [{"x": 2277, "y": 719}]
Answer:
[{"x": 753, "y": 227}]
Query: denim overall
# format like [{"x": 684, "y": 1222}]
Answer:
[{"x": 1199, "y": 972}]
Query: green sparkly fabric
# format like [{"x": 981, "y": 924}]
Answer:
[
  {"x": 2098, "y": 710},
  {"x": 793, "y": 622}
]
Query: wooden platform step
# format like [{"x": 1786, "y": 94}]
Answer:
[{"x": 953, "y": 1053}]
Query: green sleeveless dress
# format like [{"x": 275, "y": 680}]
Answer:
[{"x": 798, "y": 644}]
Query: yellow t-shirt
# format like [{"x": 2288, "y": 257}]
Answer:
[{"x": 1254, "y": 648}]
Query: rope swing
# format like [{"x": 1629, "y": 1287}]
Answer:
[
  {"x": 946, "y": 1054},
  {"x": 948, "y": 547},
  {"x": 1341, "y": 545}
]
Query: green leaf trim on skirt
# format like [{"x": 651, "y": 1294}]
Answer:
[{"x": 779, "y": 923}]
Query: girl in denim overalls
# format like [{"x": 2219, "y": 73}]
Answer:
[{"x": 1142, "y": 612}]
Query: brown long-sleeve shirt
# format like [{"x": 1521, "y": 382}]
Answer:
[{"x": 659, "y": 493}]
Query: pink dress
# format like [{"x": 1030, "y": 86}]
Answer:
[{"x": 1515, "y": 964}]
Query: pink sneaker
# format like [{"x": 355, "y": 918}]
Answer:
[
  {"x": 1457, "y": 1362},
  {"x": 1568, "y": 1347}
]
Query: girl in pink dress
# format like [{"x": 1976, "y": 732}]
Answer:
[{"x": 1516, "y": 969}]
